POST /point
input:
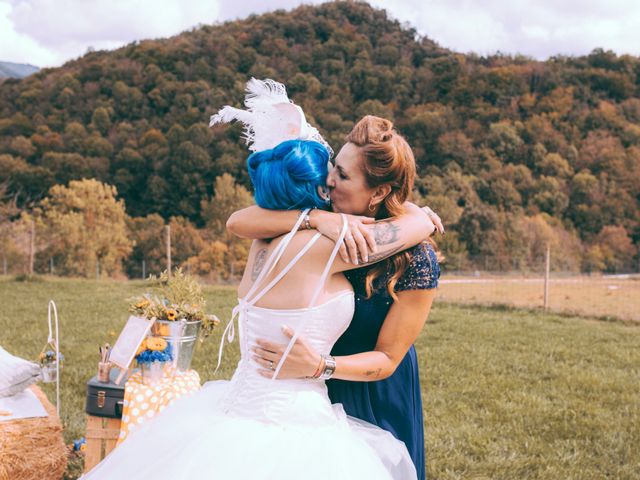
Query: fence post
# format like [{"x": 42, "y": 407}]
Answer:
[
  {"x": 97, "y": 269},
  {"x": 32, "y": 246},
  {"x": 144, "y": 269},
  {"x": 4, "y": 265},
  {"x": 50, "y": 265},
  {"x": 547, "y": 264},
  {"x": 168, "y": 242}
]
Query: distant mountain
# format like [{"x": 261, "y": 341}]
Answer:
[
  {"x": 507, "y": 147},
  {"x": 16, "y": 70}
]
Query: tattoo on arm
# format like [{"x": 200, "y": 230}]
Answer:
[
  {"x": 385, "y": 232},
  {"x": 375, "y": 373},
  {"x": 258, "y": 263},
  {"x": 380, "y": 255}
]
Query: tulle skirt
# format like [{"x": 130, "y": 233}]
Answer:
[{"x": 198, "y": 438}]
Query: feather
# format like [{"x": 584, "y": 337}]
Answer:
[
  {"x": 266, "y": 123},
  {"x": 229, "y": 114},
  {"x": 261, "y": 93}
]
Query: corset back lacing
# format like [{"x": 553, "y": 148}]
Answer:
[{"x": 247, "y": 301}]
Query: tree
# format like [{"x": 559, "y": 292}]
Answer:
[
  {"x": 211, "y": 261},
  {"x": 550, "y": 196},
  {"x": 87, "y": 228},
  {"x": 186, "y": 240},
  {"x": 593, "y": 260},
  {"x": 147, "y": 234},
  {"x": 616, "y": 247},
  {"x": 100, "y": 120},
  {"x": 505, "y": 141},
  {"x": 8, "y": 211},
  {"x": 228, "y": 197},
  {"x": 541, "y": 231}
]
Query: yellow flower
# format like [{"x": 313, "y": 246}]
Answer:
[
  {"x": 142, "y": 304},
  {"x": 171, "y": 314},
  {"x": 156, "y": 343},
  {"x": 142, "y": 347}
]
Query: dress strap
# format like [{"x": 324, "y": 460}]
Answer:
[
  {"x": 319, "y": 288},
  {"x": 275, "y": 257},
  {"x": 230, "y": 330},
  {"x": 284, "y": 271}
]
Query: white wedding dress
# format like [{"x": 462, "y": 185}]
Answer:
[{"x": 253, "y": 427}]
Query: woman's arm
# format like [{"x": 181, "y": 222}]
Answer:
[
  {"x": 400, "y": 330},
  {"x": 259, "y": 223},
  {"x": 392, "y": 235}
]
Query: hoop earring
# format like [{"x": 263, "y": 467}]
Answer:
[{"x": 371, "y": 207}]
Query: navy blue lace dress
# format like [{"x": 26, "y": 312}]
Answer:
[{"x": 394, "y": 403}]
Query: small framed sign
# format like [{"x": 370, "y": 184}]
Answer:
[{"x": 131, "y": 337}]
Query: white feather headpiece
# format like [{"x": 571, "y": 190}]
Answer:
[{"x": 270, "y": 119}]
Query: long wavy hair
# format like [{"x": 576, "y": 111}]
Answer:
[{"x": 387, "y": 159}]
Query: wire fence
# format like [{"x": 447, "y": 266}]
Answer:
[
  {"x": 539, "y": 283},
  {"x": 546, "y": 285}
]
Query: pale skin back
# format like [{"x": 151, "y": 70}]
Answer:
[{"x": 302, "y": 279}]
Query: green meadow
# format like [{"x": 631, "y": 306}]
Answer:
[{"x": 508, "y": 394}]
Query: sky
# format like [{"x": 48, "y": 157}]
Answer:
[{"x": 46, "y": 33}]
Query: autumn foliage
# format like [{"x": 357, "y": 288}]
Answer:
[{"x": 514, "y": 153}]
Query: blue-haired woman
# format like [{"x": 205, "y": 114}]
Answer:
[{"x": 252, "y": 427}]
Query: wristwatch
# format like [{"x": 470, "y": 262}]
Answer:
[{"x": 329, "y": 367}]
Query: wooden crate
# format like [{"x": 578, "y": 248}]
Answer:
[{"x": 102, "y": 436}]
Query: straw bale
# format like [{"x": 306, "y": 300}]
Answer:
[{"x": 33, "y": 448}]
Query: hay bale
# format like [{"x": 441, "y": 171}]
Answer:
[{"x": 33, "y": 448}]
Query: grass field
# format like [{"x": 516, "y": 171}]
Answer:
[
  {"x": 596, "y": 296},
  {"x": 508, "y": 394}
]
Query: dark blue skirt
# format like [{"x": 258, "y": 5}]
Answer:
[{"x": 393, "y": 404}]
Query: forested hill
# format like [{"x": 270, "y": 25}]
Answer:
[{"x": 507, "y": 147}]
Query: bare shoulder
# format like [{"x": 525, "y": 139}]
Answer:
[{"x": 303, "y": 237}]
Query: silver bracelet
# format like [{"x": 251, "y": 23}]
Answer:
[
  {"x": 329, "y": 367},
  {"x": 306, "y": 221}
]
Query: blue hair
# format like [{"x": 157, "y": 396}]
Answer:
[{"x": 287, "y": 176}]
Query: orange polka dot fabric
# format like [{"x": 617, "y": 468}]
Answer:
[{"x": 142, "y": 402}]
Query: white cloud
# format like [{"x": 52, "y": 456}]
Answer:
[
  {"x": 48, "y": 32},
  {"x": 66, "y": 28},
  {"x": 540, "y": 28},
  {"x": 233, "y": 9},
  {"x": 20, "y": 48}
]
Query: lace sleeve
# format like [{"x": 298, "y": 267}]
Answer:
[{"x": 423, "y": 272}]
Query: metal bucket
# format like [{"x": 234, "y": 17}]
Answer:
[{"x": 182, "y": 336}]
